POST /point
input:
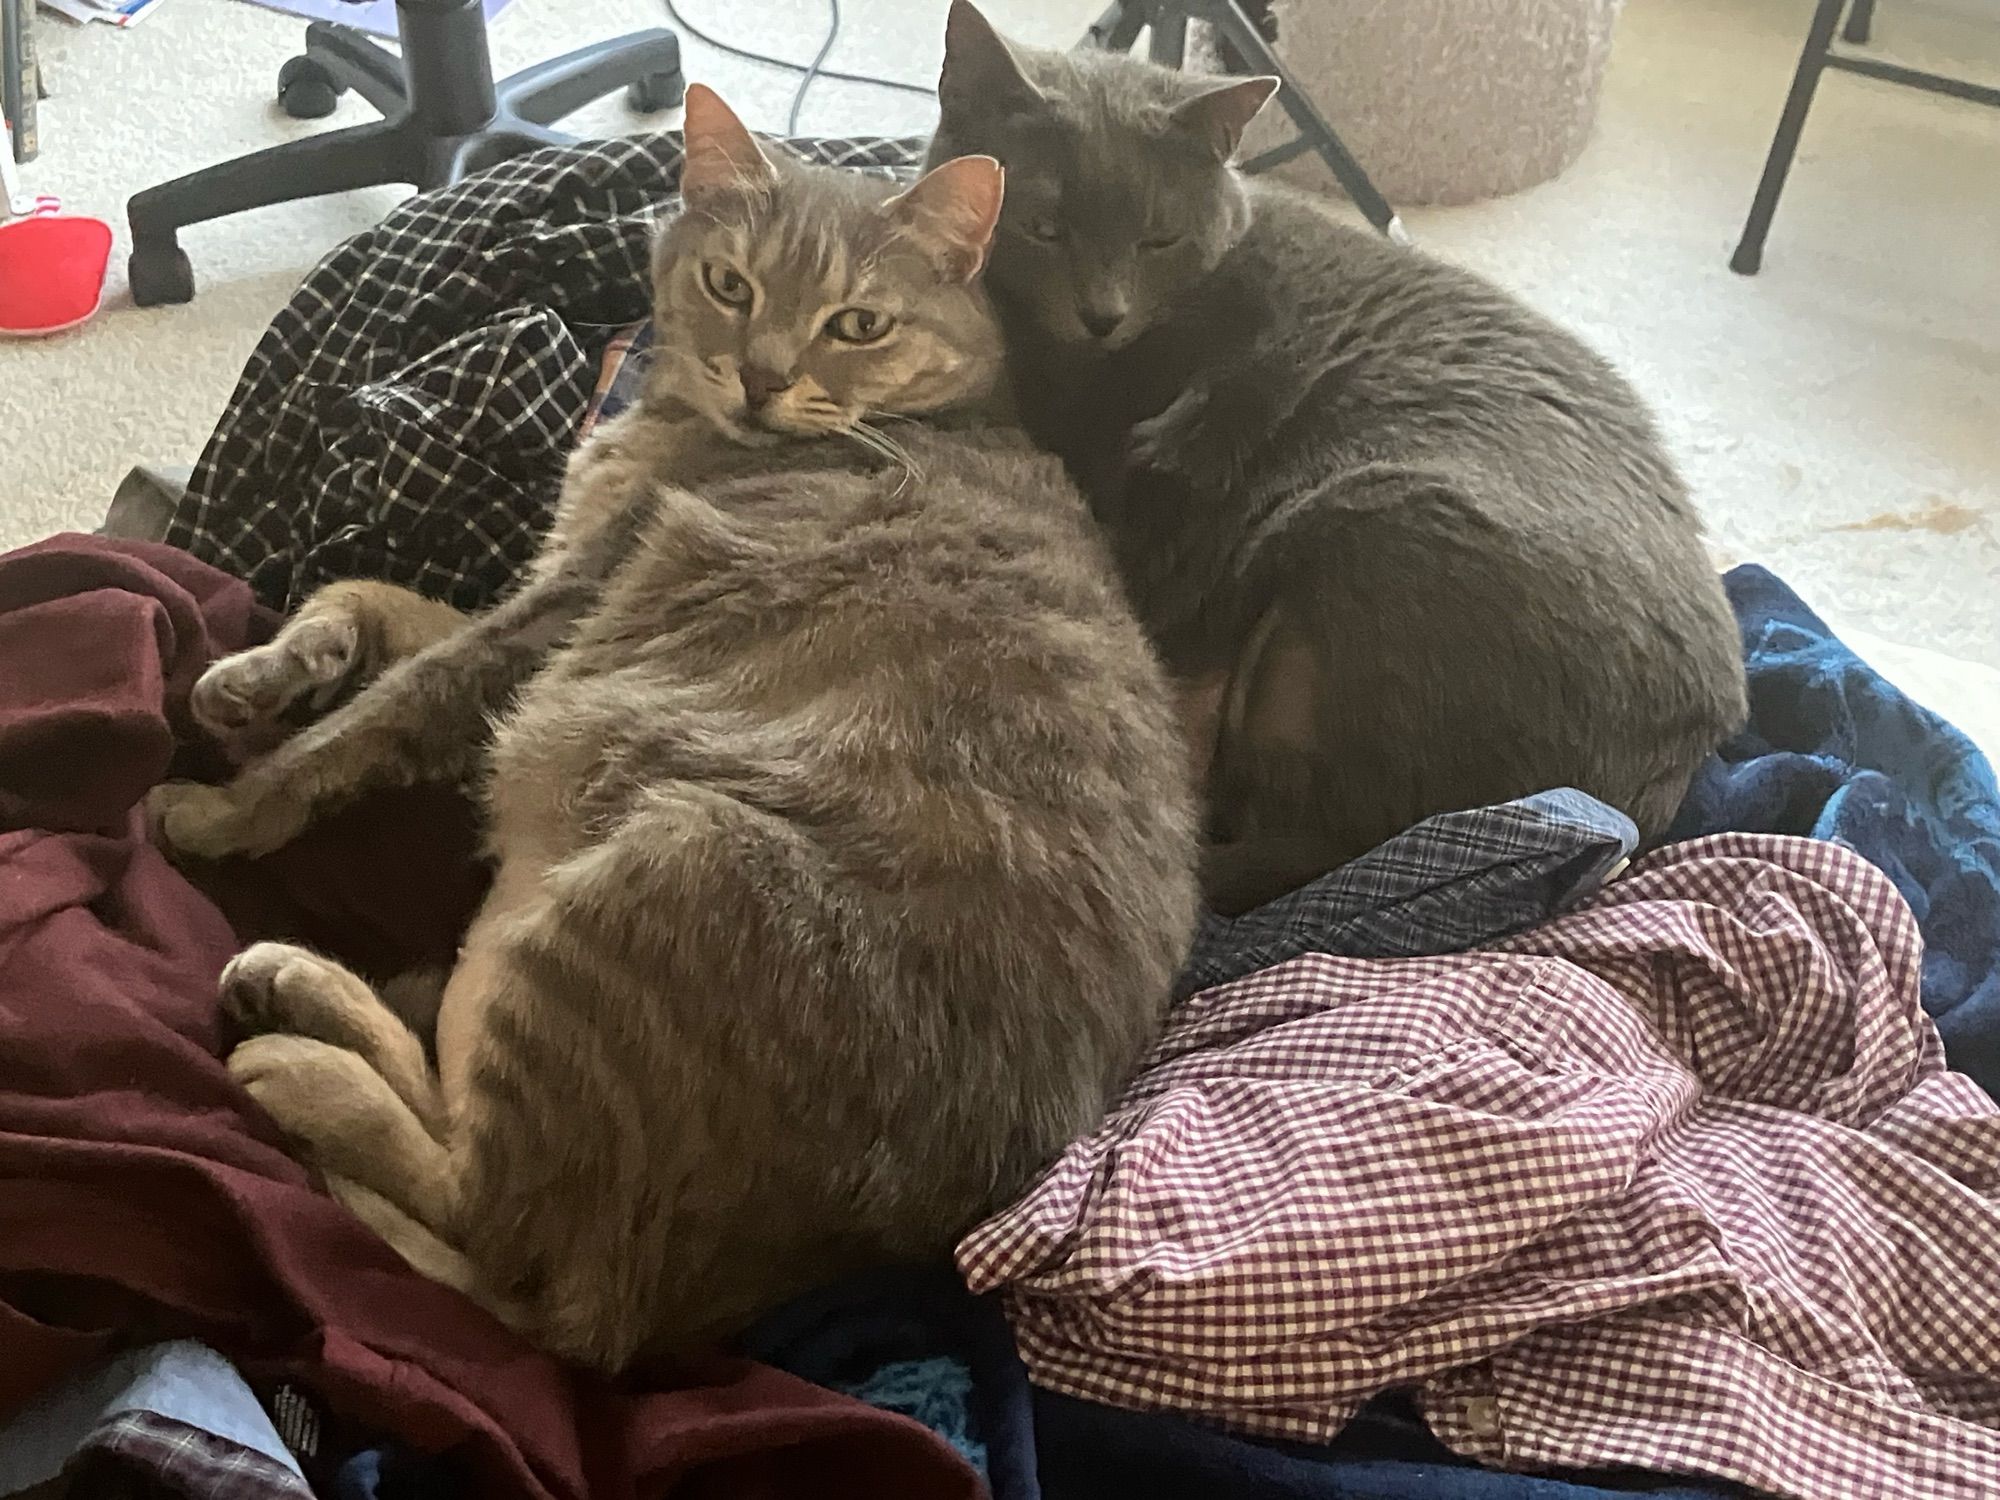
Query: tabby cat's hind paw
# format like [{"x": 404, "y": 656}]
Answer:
[
  {"x": 190, "y": 820},
  {"x": 259, "y": 985},
  {"x": 187, "y": 818},
  {"x": 252, "y": 697},
  {"x": 297, "y": 1079},
  {"x": 335, "y": 1110}
]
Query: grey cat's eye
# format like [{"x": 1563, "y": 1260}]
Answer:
[
  {"x": 1048, "y": 231},
  {"x": 1162, "y": 242},
  {"x": 726, "y": 285},
  {"x": 859, "y": 325}
]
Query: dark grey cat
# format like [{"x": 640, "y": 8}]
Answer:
[{"x": 1407, "y": 546}]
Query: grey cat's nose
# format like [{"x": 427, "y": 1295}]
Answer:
[
  {"x": 760, "y": 385},
  {"x": 1102, "y": 322}
]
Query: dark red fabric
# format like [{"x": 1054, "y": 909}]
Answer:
[{"x": 141, "y": 1193}]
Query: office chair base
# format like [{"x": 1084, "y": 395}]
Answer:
[{"x": 444, "y": 118}]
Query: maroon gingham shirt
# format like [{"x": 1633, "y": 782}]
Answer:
[{"x": 1678, "y": 1180}]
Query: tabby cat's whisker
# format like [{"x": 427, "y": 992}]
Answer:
[{"x": 881, "y": 443}]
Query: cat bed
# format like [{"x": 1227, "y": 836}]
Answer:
[{"x": 1442, "y": 102}]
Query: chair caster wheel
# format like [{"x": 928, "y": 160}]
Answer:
[
  {"x": 306, "y": 90},
  {"x": 655, "y": 92},
  {"x": 160, "y": 275}
]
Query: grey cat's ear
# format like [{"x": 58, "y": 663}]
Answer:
[
  {"x": 1219, "y": 117},
  {"x": 951, "y": 212},
  {"x": 722, "y": 156},
  {"x": 982, "y": 76}
]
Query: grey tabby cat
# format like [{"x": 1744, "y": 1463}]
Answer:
[
  {"x": 844, "y": 836},
  {"x": 1406, "y": 546}
]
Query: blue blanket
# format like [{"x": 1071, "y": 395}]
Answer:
[{"x": 1832, "y": 750}]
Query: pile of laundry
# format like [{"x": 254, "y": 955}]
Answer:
[{"x": 1486, "y": 1152}]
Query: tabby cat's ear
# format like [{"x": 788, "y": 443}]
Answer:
[
  {"x": 951, "y": 212},
  {"x": 722, "y": 156},
  {"x": 982, "y": 76},
  {"x": 1219, "y": 117}
]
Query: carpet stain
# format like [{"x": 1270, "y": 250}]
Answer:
[{"x": 1941, "y": 517}]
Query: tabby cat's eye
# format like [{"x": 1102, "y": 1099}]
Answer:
[
  {"x": 726, "y": 285},
  {"x": 859, "y": 325},
  {"x": 1162, "y": 242}
]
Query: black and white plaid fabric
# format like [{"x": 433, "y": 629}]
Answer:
[{"x": 408, "y": 414}]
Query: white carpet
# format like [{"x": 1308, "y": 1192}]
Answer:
[{"x": 1839, "y": 415}]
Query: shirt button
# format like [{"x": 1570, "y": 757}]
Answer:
[{"x": 1482, "y": 1416}]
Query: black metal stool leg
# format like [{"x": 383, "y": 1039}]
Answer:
[
  {"x": 1166, "y": 22},
  {"x": 1749, "y": 254},
  {"x": 1860, "y": 23},
  {"x": 1316, "y": 133},
  {"x": 1118, "y": 28}
]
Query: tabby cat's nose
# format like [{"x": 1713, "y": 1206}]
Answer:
[{"x": 760, "y": 385}]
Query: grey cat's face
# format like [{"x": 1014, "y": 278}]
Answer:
[
  {"x": 798, "y": 300},
  {"x": 1119, "y": 192}
]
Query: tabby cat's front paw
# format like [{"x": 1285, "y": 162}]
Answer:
[
  {"x": 249, "y": 698},
  {"x": 188, "y": 819}
]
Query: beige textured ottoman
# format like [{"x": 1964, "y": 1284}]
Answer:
[{"x": 1441, "y": 101}]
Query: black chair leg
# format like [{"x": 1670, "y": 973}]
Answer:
[
  {"x": 1166, "y": 37},
  {"x": 1749, "y": 256},
  {"x": 352, "y": 59},
  {"x": 648, "y": 63},
  {"x": 507, "y": 139},
  {"x": 339, "y": 161},
  {"x": 1860, "y": 23}
]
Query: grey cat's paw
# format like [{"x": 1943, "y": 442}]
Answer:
[
  {"x": 249, "y": 695},
  {"x": 1171, "y": 441},
  {"x": 1201, "y": 439},
  {"x": 190, "y": 820}
]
